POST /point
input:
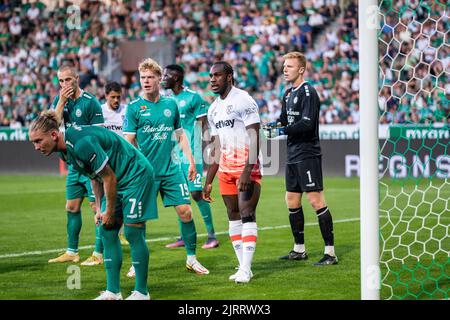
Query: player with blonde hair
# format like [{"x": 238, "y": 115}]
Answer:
[
  {"x": 152, "y": 123},
  {"x": 122, "y": 180},
  {"x": 299, "y": 120}
]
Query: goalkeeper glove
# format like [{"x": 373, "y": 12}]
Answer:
[{"x": 273, "y": 129}]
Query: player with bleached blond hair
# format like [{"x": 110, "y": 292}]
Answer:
[
  {"x": 122, "y": 180},
  {"x": 152, "y": 123}
]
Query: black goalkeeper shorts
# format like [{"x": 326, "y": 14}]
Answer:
[{"x": 304, "y": 176}]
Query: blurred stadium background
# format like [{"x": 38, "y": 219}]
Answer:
[{"x": 106, "y": 40}]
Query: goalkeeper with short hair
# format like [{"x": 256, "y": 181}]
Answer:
[{"x": 299, "y": 120}]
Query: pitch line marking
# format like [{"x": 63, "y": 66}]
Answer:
[{"x": 38, "y": 253}]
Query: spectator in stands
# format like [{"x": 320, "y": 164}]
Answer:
[{"x": 34, "y": 40}]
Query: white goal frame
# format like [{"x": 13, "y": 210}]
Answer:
[{"x": 368, "y": 150}]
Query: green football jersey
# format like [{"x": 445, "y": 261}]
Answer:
[
  {"x": 154, "y": 125},
  {"x": 191, "y": 107},
  {"x": 90, "y": 148},
  {"x": 86, "y": 110}
]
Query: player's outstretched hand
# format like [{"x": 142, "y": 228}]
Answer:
[{"x": 206, "y": 193}]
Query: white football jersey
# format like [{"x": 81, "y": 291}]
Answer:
[
  {"x": 227, "y": 119},
  {"x": 114, "y": 118}
]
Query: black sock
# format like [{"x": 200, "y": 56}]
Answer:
[
  {"x": 326, "y": 225},
  {"x": 297, "y": 221}
]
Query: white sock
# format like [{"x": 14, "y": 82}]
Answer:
[
  {"x": 299, "y": 248},
  {"x": 97, "y": 254},
  {"x": 71, "y": 253},
  {"x": 329, "y": 250},
  {"x": 249, "y": 236},
  {"x": 235, "y": 232},
  {"x": 191, "y": 259}
]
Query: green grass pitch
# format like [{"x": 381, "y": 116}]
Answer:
[{"x": 33, "y": 229}]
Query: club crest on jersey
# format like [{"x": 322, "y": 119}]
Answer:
[
  {"x": 182, "y": 103},
  {"x": 295, "y": 99},
  {"x": 78, "y": 113},
  {"x": 167, "y": 113},
  {"x": 229, "y": 109},
  {"x": 143, "y": 107}
]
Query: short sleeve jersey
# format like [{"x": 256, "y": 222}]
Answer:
[
  {"x": 91, "y": 148},
  {"x": 154, "y": 125},
  {"x": 85, "y": 110},
  {"x": 114, "y": 118},
  {"x": 228, "y": 119},
  {"x": 191, "y": 107}
]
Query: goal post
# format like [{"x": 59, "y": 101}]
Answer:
[
  {"x": 368, "y": 146},
  {"x": 404, "y": 68}
]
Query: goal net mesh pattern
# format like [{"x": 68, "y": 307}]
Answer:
[{"x": 414, "y": 90}]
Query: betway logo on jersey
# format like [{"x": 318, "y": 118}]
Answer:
[
  {"x": 225, "y": 123},
  {"x": 114, "y": 127}
]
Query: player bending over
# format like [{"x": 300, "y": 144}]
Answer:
[{"x": 122, "y": 177}]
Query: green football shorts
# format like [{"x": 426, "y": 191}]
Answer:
[
  {"x": 78, "y": 186},
  {"x": 135, "y": 204},
  {"x": 174, "y": 189},
  {"x": 195, "y": 185}
]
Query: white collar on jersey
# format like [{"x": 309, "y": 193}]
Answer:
[{"x": 299, "y": 86}]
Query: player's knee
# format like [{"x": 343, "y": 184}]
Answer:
[
  {"x": 72, "y": 207},
  {"x": 293, "y": 200},
  {"x": 185, "y": 213},
  {"x": 129, "y": 231},
  {"x": 196, "y": 195},
  {"x": 316, "y": 203}
]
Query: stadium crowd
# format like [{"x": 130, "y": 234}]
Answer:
[{"x": 251, "y": 35}]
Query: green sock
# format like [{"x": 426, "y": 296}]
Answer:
[
  {"x": 139, "y": 256},
  {"x": 98, "y": 239},
  {"x": 112, "y": 257},
  {"x": 73, "y": 230},
  {"x": 205, "y": 210},
  {"x": 189, "y": 235}
]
